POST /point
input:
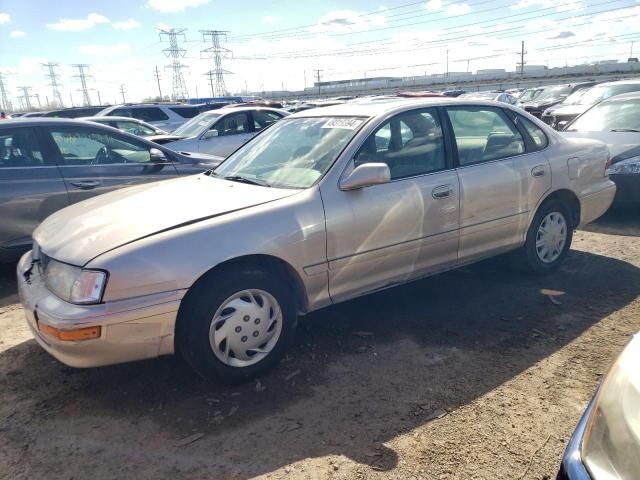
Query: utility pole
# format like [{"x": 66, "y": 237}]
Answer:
[
  {"x": 447, "y": 68},
  {"x": 83, "y": 75},
  {"x": 522, "y": 62},
  {"x": 53, "y": 82},
  {"x": 99, "y": 99},
  {"x": 175, "y": 52},
  {"x": 5, "y": 104},
  {"x": 217, "y": 53},
  {"x": 71, "y": 99},
  {"x": 122, "y": 92},
  {"x": 318, "y": 80},
  {"x": 26, "y": 96},
  {"x": 157, "y": 75},
  {"x": 631, "y": 53},
  {"x": 38, "y": 99}
]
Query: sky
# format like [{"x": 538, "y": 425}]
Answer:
[{"x": 280, "y": 44}]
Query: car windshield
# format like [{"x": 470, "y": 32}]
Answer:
[
  {"x": 197, "y": 125},
  {"x": 610, "y": 116},
  {"x": 529, "y": 95},
  {"x": 293, "y": 153},
  {"x": 602, "y": 92},
  {"x": 553, "y": 92},
  {"x": 576, "y": 97}
]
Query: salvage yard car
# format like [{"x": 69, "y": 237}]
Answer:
[
  {"x": 616, "y": 122},
  {"x": 324, "y": 206},
  {"x": 49, "y": 163},
  {"x": 606, "y": 443}
]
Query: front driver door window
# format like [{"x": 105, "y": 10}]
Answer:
[
  {"x": 402, "y": 229},
  {"x": 94, "y": 161}
]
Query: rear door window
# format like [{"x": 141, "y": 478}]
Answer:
[
  {"x": 149, "y": 114},
  {"x": 483, "y": 134},
  {"x": 262, "y": 119},
  {"x": 186, "y": 112},
  {"x": 20, "y": 147}
]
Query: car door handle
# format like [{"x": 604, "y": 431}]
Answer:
[
  {"x": 443, "y": 191},
  {"x": 538, "y": 171},
  {"x": 86, "y": 184}
]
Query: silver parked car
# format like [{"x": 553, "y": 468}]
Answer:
[
  {"x": 167, "y": 116},
  {"x": 49, "y": 163},
  {"x": 129, "y": 125},
  {"x": 324, "y": 206},
  {"x": 220, "y": 132}
]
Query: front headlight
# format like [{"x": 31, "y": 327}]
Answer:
[
  {"x": 611, "y": 444},
  {"x": 74, "y": 284},
  {"x": 629, "y": 166}
]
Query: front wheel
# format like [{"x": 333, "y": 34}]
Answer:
[
  {"x": 236, "y": 324},
  {"x": 548, "y": 238}
]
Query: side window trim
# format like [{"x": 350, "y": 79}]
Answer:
[
  {"x": 527, "y": 136},
  {"x": 529, "y": 144}
]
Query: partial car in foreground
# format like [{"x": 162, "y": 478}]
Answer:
[
  {"x": 606, "y": 442},
  {"x": 560, "y": 115},
  {"x": 323, "y": 206},
  {"x": 47, "y": 164},
  {"x": 220, "y": 132},
  {"x": 616, "y": 122}
]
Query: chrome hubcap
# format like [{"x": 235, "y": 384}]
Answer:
[
  {"x": 245, "y": 328},
  {"x": 551, "y": 237}
]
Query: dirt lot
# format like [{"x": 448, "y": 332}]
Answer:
[{"x": 359, "y": 394}]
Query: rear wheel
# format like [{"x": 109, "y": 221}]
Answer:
[
  {"x": 236, "y": 324},
  {"x": 548, "y": 239}
]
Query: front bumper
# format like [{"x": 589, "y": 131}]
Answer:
[
  {"x": 131, "y": 329},
  {"x": 628, "y": 189},
  {"x": 572, "y": 467}
]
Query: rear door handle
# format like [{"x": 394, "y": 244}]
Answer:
[
  {"x": 86, "y": 184},
  {"x": 443, "y": 191},
  {"x": 538, "y": 171}
]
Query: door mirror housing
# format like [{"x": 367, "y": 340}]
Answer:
[
  {"x": 211, "y": 134},
  {"x": 561, "y": 125},
  {"x": 157, "y": 156},
  {"x": 366, "y": 175}
]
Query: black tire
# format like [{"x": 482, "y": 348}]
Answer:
[
  {"x": 527, "y": 257},
  {"x": 201, "y": 303}
]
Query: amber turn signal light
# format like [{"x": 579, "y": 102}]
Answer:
[{"x": 70, "y": 335}]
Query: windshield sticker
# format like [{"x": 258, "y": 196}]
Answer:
[{"x": 346, "y": 123}]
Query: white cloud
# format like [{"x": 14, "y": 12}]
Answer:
[
  {"x": 270, "y": 19},
  {"x": 4, "y": 18},
  {"x": 434, "y": 5},
  {"x": 17, "y": 34},
  {"x": 566, "y": 7},
  {"x": 104, "y": 50},
  {"x": 163, "y": 26},
  {"x": 458, "y": 9},
  {"x": 126, "y": 24},
  {"x": 347, "y": 21},
  {"x": 78, "y": 24},
  {"x": 173, "y": 6}
]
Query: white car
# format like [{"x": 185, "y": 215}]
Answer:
[
  {"x": 167, "y": 116},
  {"x": 502, "y": 97},
  {"x": 221, "y": 132}
]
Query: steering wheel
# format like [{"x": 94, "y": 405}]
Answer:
[{"x": 103, "y": 156}]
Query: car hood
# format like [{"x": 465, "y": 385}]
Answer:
[
  {"x": 574, "y": 110},
  {"x": 82, "y": 231},
  {"x": 622, "y": 145},
  {"x": 543, "y": 103}
]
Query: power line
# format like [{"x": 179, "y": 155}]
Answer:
[
  {"x": 175, "y": 52},
  {"x": 4, "y": 99},
  {"x": 157, "y": 77},
  {"x": 53, "y": 82},
  {"x": 216, "y": 52},
  {"x": 83, "y": 75}
]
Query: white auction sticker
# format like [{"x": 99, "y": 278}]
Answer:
[{"x": 346, "y": 123}]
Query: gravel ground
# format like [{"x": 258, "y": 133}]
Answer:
[{"x": 471, "y": 374}]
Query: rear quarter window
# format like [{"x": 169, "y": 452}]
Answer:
[{"x": 186, "y": 112}]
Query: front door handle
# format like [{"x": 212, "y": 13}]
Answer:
[
  {"x": 86, "y": 184},
  {"x": 443, "y": 191},
  {"x": 538, "y": 171}
]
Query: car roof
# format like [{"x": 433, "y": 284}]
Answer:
[
  {"x": 634, "y": 81},
  {"x": 388, "y": 105},
  {"x": 110, "y": 118},
  {"x": 40, "y": 121},
  {"x": 624, "y": 96}
]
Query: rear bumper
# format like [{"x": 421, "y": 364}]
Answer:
[
  {"x": 594, "y": 205},
  {"x": 628, "y": 189},
  {"x": 132, "y": 329}
]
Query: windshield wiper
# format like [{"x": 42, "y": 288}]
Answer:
[
  {"x": 250, "y": 181},
  {"x": 625, "y": 130}
]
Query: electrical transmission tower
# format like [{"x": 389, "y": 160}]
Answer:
[
  {"x": 5, "y": 104},
  {"x": 83, "y": 75},
  {"x": 179, "y": 90},
  {"x": 26, "y": 97},
  {"x": 53, "y": 82},
  {"x": 217, "y": 53}
]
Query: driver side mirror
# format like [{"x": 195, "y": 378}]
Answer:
[
  {"x": 156, "y": 155},
  {"x": 366, "y": 175},
  {"x": 210, "y": 134},
  {"x": 561, "y": 125}
]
